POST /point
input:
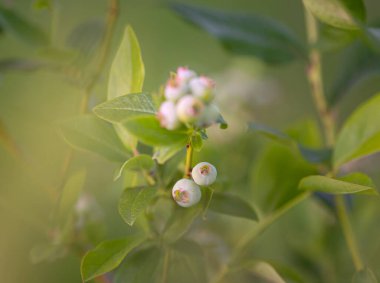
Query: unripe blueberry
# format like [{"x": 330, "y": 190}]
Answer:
[
  {"x": 184, "y": 74},
  {"x": 175, "y": 89},
  {"x": 209, "y": 116},
  {"x": 204, "y": 174},
  {"x": 189, "y": 109},
  {"x": 202, "y": 87},
  {"x": 167, "y": 115},
  {"x": 186, "y": 193}
]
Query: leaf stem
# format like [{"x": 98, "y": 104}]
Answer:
[
  {"x": 189, "y": 160},
  {"x": 328, "y": 125},
  {"x": 348, "y": 232}
]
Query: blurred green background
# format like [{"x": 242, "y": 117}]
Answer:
[{"x": 32, "y": 101}]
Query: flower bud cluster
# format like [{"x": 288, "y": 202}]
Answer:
[
  {"x": 188, "y": 100},
  {"x": 186, "y": 192}
]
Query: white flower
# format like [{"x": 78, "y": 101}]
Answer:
[
  {"x": 175, "y": 89},
  {"x": 167, "y": 115},
  {"x": 184, "y": 74},
  {"x": 186, "y": 193},
  {"x": 189, "y": 109},
  {"x": 204, "y": 174},
  {"x": 202, "y": 87},
  {"x": 209, "y": 116}
]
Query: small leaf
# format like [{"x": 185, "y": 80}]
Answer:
[
  {"x": 222, "y": 123},
  {"x": 107, "y": 256},
  {"x": 164, "y": 153},
  {"x": 16, "y": 25},
  {"x": 360, "y": 134},
  {"x": 133, "y": 202},
  {"x": 123, "y": 107},
  {"x": 264, "y": 272},
  {"x": 70, "y": 193},
  {"x": 148, "y": 130},
  {"x": 92, "y": 134},
  {"x": 127, "y": 71},
  {"x": 232, "y": 205},
  {"x": 359, "y": 179},
  {"x": 246, "y": 34},
  {"x": 333, "y": 186},
  {"x": 197, "y": 142},
  {"x": 364, "y": 276},
  {"x": 344, "y": 14},
  {"x": 180, "y": 222},
  {"x": 136, "y": 163},
  {"x": 309, "y": 154}
]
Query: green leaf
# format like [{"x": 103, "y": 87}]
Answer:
[
  {"x": 42, "y": 4},
  {"x": 148, "y": 130},
  {"x": 232, "y": 205},
  {"x": 136, "y": 163},
  {"x": 360, "y": 134},
  {"x": 358, "y": 178},
  {"x": 197, "y": 142},
  {"x": 107, "y": 256},
  {"x": 164, "y": 153},
  {"x": 133, "y": 201},
  {"x": 123, "y": 107},
  {"x": 180, "y": 222},
  {"x": 246, "y": 34},
  {"x": 207, "y": 194},
  {"x": 364, "y": 276},
  {"x": 127, "y": 70},
  {"x": 344, "y": 14},
  {"x": 333, "y": 186},
  {"x": 309, "y": 154},
  {"x": 222, "y": 123},
  {"x": 92, "y": 134},
  {"x": 70, "y": 193},
  {"x": 16, "y": 25},
  {"x": 359, "y": 62},
  {"x": 264, "y": 272}
]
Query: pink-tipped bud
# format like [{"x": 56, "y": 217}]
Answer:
[
  {"x": 184, "y": 74},
  {"x": 175, "y": 89},
  {"x": 202, "y": 87},
  {"x": 167, "y": 116},
  {"x": 189, "y": 109},
  {"x": 186, "y": 193},
  {"x": 204, "y": 174}
]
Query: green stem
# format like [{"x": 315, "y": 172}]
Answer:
[
  {"x": 348, "y": 232},
  {"x": 189, "y": 160},
  {"x": 328, "y": 126},
  {"x": 166, "y": 266}
]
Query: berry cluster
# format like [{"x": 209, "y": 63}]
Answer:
[
  {"x": 188, "y": 101},
  {"x": 186, "y": 192}
]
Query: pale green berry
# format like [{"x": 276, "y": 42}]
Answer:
[
  {"x": 186, "y": 193},
  {"x": 204, "y": 174},
  {"x": 209, "y": 116},
  {"x": 189, "y": 109},
  {"x": 167, "y": 116},
  {"x": 203, "y": 88}
]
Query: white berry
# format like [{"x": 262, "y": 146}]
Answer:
[
  {"x": 189, "y": 109},
  {"x": 202, "y": 87},
  {"x": 167, "y": 115},
  {"x": 186, "y": 193},
  {"x": 204, "y": 174}
]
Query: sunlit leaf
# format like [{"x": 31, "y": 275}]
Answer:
[
  {"x": 123, "y": 107},
  {"x": 360, "y": 134},
  {"x": 133, "y": 201},
  {"x": 136, "y": 163},
  {"x": 107, "y": 256},
  {"x": 149, "y": 131},
  {"x": 333, "y": 186},
  {"x": 92, "y": 134},
  {"x": 246, "y": 34},
  {"x": 21, "y": 28},
  {"x": 232, "y": 205},
  {"x": 127, "y": 70},
  {"x": 345, "y": 14}
]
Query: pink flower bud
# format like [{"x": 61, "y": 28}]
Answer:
[
  {"x": 186, "y": 193},
  {"x": 175, "y": 89},
  {"x": 189, "y": 109},
  {"x": 204, "y": 174},
  {"x": 167, "y": 115},
  {"x": 202, "y": 87},
  {"x": 184, "y": 74}
]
